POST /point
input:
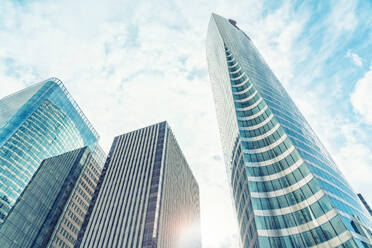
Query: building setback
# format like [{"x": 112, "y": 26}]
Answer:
[
  {"x": 147, "y": 195},
  {"x": 36, "y": 123},
  {"x": 51, "y": 209},
  {"x": 365, "y": 204},
  {"x": 287, "y": 190}
]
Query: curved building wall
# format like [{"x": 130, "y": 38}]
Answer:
[
  {"x": 298, "y": 195},
  {"x": 227, "y": 122},
  {"x": 47, "y": 124}
]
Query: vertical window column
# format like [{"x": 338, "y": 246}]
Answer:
[{"x": 148, "y": 239}]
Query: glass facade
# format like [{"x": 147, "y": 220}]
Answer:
[
  {"x": 36, "y": 123},
  {"x": 288, "y": 192},
  {"x": 35, "y": 213},
  {"x": 64, "y": 228},
  {"x": 146, "y": 197}
]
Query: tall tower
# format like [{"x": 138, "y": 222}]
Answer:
[
  {"x": 36, "y": 123},
  {"x": 147, "y": 195},
  {"x": 288, "y": 192}
]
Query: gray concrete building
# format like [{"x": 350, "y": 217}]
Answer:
[{"x": 147, "y": 195}]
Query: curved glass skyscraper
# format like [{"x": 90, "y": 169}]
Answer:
[
  {"x": 288, "y": 192},
  {"x": 36, "y": 123}
]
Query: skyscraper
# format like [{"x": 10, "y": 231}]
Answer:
[
  {"x": 38, "y": 122},
  {"x": 52, "y": 207},
  {"x": 288, "y": 192},
  {"x": 147, "y": 195}
]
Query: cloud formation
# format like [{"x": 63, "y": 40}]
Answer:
[
  {"x": 361, "y": 97},
  {"x": 357, "y": 60},
  {"x": 132, "y": 63}
]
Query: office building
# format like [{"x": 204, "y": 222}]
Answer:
[
  {"x": 147, "y": 195},
  {"x": 36, "y": 123},
  {"x": 52, "y": 207},
  {"x": 287, "y": 190}
]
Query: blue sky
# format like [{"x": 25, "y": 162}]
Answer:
[{"x": 132, "y": 63}]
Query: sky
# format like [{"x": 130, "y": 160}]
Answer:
[{"x": 129, "y": 64}]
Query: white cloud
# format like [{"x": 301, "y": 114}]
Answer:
[
  {"x": 355, "y": 159},
  {"x": 343, "y": 17},
  {"x": 126, "y": 72},
  {"x": 357, "y": 60},
  {"x": 361, "y": 97},
  {"x": 139, "y": 62}
]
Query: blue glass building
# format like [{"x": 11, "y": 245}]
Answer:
[
  {"x": 36, "y": 123},
  {"x": 288, "y": 191}
]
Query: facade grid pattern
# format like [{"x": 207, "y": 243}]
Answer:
[{"x": 132, "y": 200}]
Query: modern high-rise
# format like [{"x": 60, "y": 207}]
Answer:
[
  {"x": 147, "y": 195},
  {"x": 36, "y": 123},
  {"x": 287, "y": 190},
  {"x": 52, "y": 207}
]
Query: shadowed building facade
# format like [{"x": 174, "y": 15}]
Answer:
[
  {"x": 287, "y": 190},
  {"x": 365, "y": 204},
  {"x": 147, "y": 195},
  {"x": 52, "y": 207}
]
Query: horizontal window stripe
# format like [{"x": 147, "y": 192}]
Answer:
[
  {"x": 239, "y": 81},
  {"x": 335, "y": 241},
  {"x": 277, "y": 175},
  {"x": 284, "y": 191},
  {"x": 273, "y": 160},
  {"x": 267, "y": 148},
  {"x": 349, "y": 194},
  {"x": 246, "y": 118},
  {"x": 314, "y": 167},
  {"x": 232, "y": 66},
  {"x": 236, "y": 71},
  {"x": 241, "y": 84},
  {"x": 259, "y": 124},
  {"x": 231, "y": 60},
  {"x": 302, "y": 145},
  {"x": 24, "y": 170},
  {"x": 342, "y": 195},
  {"x": 244, "y": 100},
  {"x": 7, "y": 181},
  {"x": 367, "y": 218},
  {"x": 290, "y": 209},
  {"x": 276, "y": 127},
  {"x": 253, "y": 105},
  {"x": 239, "y": 77},
  {"x": 298, "y": 229},
  {"x": 242, "y": 92},
  {"x": 247, "y": 123},
  {"x": 13, "y": 173},
  {"x": 10, "y": 197},
  {"x": 22, "y": 159},
  {"x": 316, "y": 159},
  {"x": 254, "y": 94}
]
